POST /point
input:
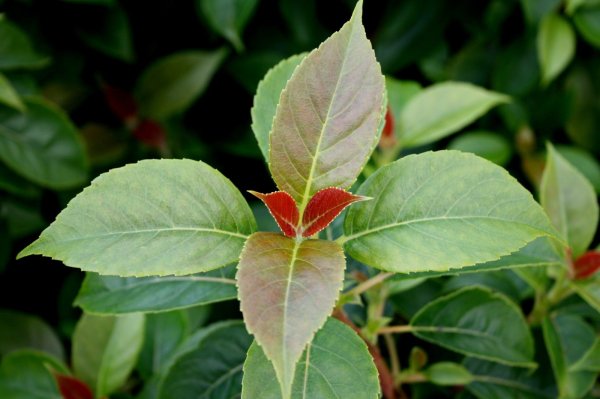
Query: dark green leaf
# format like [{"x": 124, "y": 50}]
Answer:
[
  {"x": 448, "y": 373},
  {"x": 587, "y": 21},
  {"x": 303, "y": 22},
  {"x": 589, "y": 290},
  {"x": 22, "y": 331},
  {"x": 590, "y": 360},
  {"x": 488, "y": 145},
  {"x": 535, "y": 10},
  {"x": 503, "y": 281},
  {"x": 8, "y": 95},
  {"x": 13, "y": 183},
  {"x": 109, "y": 33},
  {"x": 518, "y": 73},
  {"x": 16, "y": 50},
  {"x": 96, "y": 2},
  {"x": 228, "y": 18}
]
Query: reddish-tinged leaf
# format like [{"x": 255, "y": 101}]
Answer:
[
  {"x": 120, "y": 102},
  {"x": 283, "y": 208},
  {"x": 325, "y": 206},
  {"x": 72, "y": 388},
  {"x": 388, "y": 138},
  {"x": 150, "y": 133},
  {"x": 587, "y": 264}
]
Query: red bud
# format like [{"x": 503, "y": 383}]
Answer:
[
  {"x": 150, "y": 133},
  {"x": 587, "y": 264},
  {"x": 121, "y": 103},
  {"x": 388, "y": 139}
]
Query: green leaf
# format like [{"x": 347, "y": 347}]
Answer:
[
  {"x": 570, "y": 201},
  {"x": 438, "y": 211},
  {"x": 228, "y": 18},
  {"x": 337, "y": 364},
  {"x": 8, "y": 95},
  {"x": 109, "y": 33},
  {"x": 488, "y": 145},
  {"x": 287, "y": 288},
  {"x": 587, "y": 21},
  {"x": 267, "y": 97},
  {"x": 326, "y": 124},
  {"x": 589, "y": 290},
  {"x": 155, "y": 217},
  {"x": 535, "y": 10},
  {"x": 13, "y": 183},
  {"x": 42, "y": 145},
  {"x": 213, "y": 369},
  {"x": 114, "y": 295},
  {"x": 502, "y": 281},
  {"x": 172, "y": 84},
  {"x": 567, "y": 339},
  {"x": 476, "y": 322},
  {"x": 556, "y": 46},
  {"x": 25, "y": 375},
  {"x": 16, "y": 50},
  {"x": 590, "y": 360},
  {"x": 448, "y": 373},
  {"x": 27, "y": 331},
  {"x": 105, "y": 350},
  {"x": 443, "y": 109},
  {"x": 584, "y": 162},
  {"x": 400, "y": 92}
]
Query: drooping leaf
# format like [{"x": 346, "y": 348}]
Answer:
[
  {"x": 488, "y": 145},
  {"x": 213, "y": 368},
  {"x": 72, "y": 388},
  {"x": 327, "y": 121},
  {"x": 42, "y": 145},
  {"x": 27, "y": 331},
  {"x": 443, "y": 109},
  {"x": 448, "y": 373},
  {"x": 336, "y": 364},
  {"x": 267, "y": 97},
  {"x": 570, "y": 201},
  {"x": 477, "y": 322},
  {"x": 283, "y": 208},
  {"x": 155, "y": 217},
  {"x": 287, "y": 288},
  {"x": 16, "y": 50},
  {"x": 171, "y": 84},
  {"x": 8, "y": 95},
  {"x": 228, "y": 18},
  {"x": 105, "y": 350},
  {"x": 590, "y": 360},
  {"x": 441, "y": 210},
  {"x": 325, "y": 206},
  {"x": 109, "y": 33},
  {"x": 589, "y": 290},
  {"x": 556, "y": 46},
  {"x": 115, "y": 295}
]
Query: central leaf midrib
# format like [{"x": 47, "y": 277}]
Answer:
[{"x": 297, "y": 245}]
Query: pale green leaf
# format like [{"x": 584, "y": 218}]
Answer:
[
  {"x": 228, "y": 18},
  {"x": 42, "y": 145},
  {"x": 155, "y": 217},
  {"x": 287, "y": 288},
  {"x": 476, "y": 322},
  {"x": 570, "y": 201},
  {"x": 172, "y": 84},
  {"x": 443, "y": 109},
  {"x": 16, "y": 50},
  {"x": 441, "y": 210},
  {"x": 587, "y": 164},
  {"x": 105, "y": 350},
  {"x": 556, "y": 46},
  {"x": 8, "y": 95},
  {"x": 589, "y": 290},
  {"x": 399, "y": 93},
  {"x": 267, "y": 97},
  {"x": 488, "y": 145},
  {"x": 327, "y": 121},
  {"x": 337, "y": 364},
  {"x": 448, "y": 373}
]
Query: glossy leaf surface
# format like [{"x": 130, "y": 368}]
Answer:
[
  {"x": 25, "y": 331},
  {"x": 327, "y": 120},
  {"x": 155, "y": 217},
  {"x": 284, "y": 210},
  {"x": 336, "y": 364},
  {"x": 228, "y": 17},
  {"x": 287, "y": 288},
  {"x": 441, "y": 210},
  {"x": 556, "y": 46}
]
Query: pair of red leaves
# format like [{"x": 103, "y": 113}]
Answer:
[
  {"x": 586, "y": 265},
  {"x": 71, "y": 387},
  {"x": 320, "y": 211}
]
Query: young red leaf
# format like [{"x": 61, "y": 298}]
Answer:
[
  {"x": 283, "y": 208},
  {"x": 150, "y": 133},
  {"x": 587, "y": 264},
  {"x": 325, "y": 206},
  {"x": 72, "y": 388},
  {"x": 121, "y": 103},
  {"x": 388, "y": 139}
]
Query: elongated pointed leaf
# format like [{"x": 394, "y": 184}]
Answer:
[
  {"x": 287, "y": 288},
  {"x": 8, "y": 95},
  {"x": 336, "y": 364},
  {"x": 228, "y": 18},
  {"x": 328, "y": 116},
  {"x": 570, "y": 201},
  {"x": 115, "y": 295},
  {"x": 325, "y": 206},
  {"x": 441, "y": 210},
  {"x": 155, "y": 217},
  {"x": 284, "y": 210},
  {"x": 556, "y": 46},
  {"x": 476, "y": 322}
]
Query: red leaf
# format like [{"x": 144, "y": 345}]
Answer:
[
  {"x": 587, "y": 264},
  {"x": 72, "y": 388},
  {"x": 283, "y": 208},
  {"x": 388, "y": 139},
  {"x": 325, "y": 206},
  {"x": 150, "y": 133},
  {"x": 121, "y": 103}
]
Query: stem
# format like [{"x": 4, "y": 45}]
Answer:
[
  {"x": 393, "y": 351},
  {"x": 412, "y": 378},
  {"x": 397, "y": 329},
  {"x": 370, "y": 283}
]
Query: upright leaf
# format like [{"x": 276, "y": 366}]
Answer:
[
  {"x": 228, "y": 17},
  {"x": 27, "y": 331},
  {"x": 16, "y": 50},
  {"x": 327, "y": 121},
  {"x": 441, "y": 210},
  {"x": 9, "y": 96},
  {"x": 570, "y": 201},
  {"x": 105, "y": 350},
  {"x": 324, "y": 207},
  {"x": 556, "y": 46},
  {"x": 336, "y": 364},
  {"x": 284, "y": 210},
  {"x": 287, "y": 288},
  {"x": 155, "y": 217}
]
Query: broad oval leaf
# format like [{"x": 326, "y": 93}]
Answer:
[
  {"x": 213, "y": 369},
  {"x": 115, "y": 295},
  {"x": 171, "y": 84},
  {"x": 336, "y": 364},
  {"x": 155, "y": 217},
  {"x": 476, "y": 322},
  {"x": 325, "y": 206},
  {"x": 287, "y": 288},
  {"x": 491, "y": 146},
  {"x": 556, "y": 46},
  {"x": 586, "y": 21},
  {"x": 267, "y": 97},
  {"x": 105, "y": 350},
  {"x": 283, "y": 208},
  {"x": 442, "y": 109},
  {"x": 570, "y": 201},
  {"x": 228, "y": 18},
  {"x": 16, "y": 50},
  {"x": 441, "y": 210},
  {"x": 329, "y": 115},
  {"x": 42, "y": 145}
]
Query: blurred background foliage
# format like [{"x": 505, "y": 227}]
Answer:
[{"x": 89, "y": 85}]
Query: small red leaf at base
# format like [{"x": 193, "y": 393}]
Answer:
[
  {"x": 587, "y": 264},
  {"x": 150, "y": 133},
  {"x": 325, "y": 206},
  {"x": 283, "y": 208},
  {"x": 120, "y": 102},
  {"x": 388, "y": 139},
  {"x": 72, "y": 388}
]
